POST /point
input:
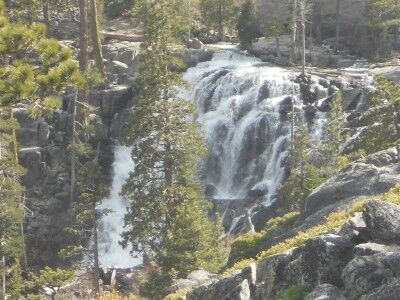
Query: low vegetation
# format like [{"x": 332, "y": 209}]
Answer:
[
  {"x": 295, "y": 292},
  {"x": 249, "y": 245},
  {"x": 332, "y": 221},
  {"x": 177, "y": 294}
]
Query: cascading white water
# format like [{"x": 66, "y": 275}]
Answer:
[
  {"x": 241, "y": 104},
  {"x": 111, "y": 254}
]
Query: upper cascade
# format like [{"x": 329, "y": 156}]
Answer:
[{"x": 243, "y": 106}]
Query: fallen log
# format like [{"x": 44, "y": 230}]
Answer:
[{"x": 122, "y": 37}]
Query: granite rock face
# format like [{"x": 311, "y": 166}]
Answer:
[
  {"x": 372, "y": 175},
  {"x": 340, "y": 265}
]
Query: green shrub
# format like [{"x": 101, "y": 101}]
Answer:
[
  {"x": 249, "y": 245},
  {"x": 294, "y": 292}
]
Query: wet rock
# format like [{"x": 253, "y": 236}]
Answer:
[
  {"x": 118, "y": 67},
  {"x": 120, "y": 123},
  {"x": 286, "y": 105},
  {"x": 210, "y": 190},
  {"x": 382, "y": 220},
  {"x": 326, "y": 292},
  {"x": 194, "y": 56},
  {"x": 112, "y": 100},
  {"x": 31, "y": 159}
]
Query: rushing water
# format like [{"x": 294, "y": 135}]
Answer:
[
  {"x": 111, "y": 253},
  {"x": 243, "y": 107}
]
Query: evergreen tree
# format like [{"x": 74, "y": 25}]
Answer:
[
  {"x": 166, "y": 147},
  {"x": 33, "y": 69},
  {"x": 92, "y": 189},
  {"x": 304, "y": 176},
  {"x": 333, "y": 136},
  {"x": 382, "y": 116},
  {"x": 217, "y": 14},
  {"x": 247, "y": 24},
  {"x": 385, "y": 14},
  {"x": 274, "y": 29}
]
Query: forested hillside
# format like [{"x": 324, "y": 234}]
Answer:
[{"x": 199, "y": 149}]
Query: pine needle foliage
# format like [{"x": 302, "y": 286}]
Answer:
[{"x": 166, "y": 203}]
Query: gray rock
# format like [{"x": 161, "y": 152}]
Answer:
[
  {"x": 382, "y": 221},
  {"x": 326, "y": 292},
  {"x": 388, "y": 291},
  {"x": 118, "y": 67},
  {"x": 370, "y": 176},
  {"x": 31, "y": 159},
  {"x": 194, "y": 43},
  {"x": 238, "y": 286},
  {"x": 362, "y": 274},
  {"x": 324, "y": 258},
  {"x": 120, "y": 123},
  {"x": 201, "y": 275},
  {"x": 112, "y": 100},
  {"x": 270, "y": 274},
  {"x": 374, "y": 248}
]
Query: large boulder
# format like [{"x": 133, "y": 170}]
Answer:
[
  {"x": 239, "y": 286},
  {"x": 372, "y": 175},
  {"x": 365, "y": 273},
  {"x": 371, "y": 248},
  {"x": 31, "y": 159},
  {"x": 326, "y": 292},
  {"x": 324, "y": 258},
  {"x": 388, "y": 291},
  {"x": 382, "y": 221}
]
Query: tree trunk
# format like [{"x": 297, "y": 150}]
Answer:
[
  {"x": 95, "y": 253},
  {"x": 46, "y": 17},
  {"x": 98, "y": 54},
  {"x": 294, "y": 32},
  {"x": 220, "y": 21},
  {"x": 278, "y": 47},
  {"x": 83, "y": 37},
  {"x": 73, "y": 157},
  {"x": 338, "y": 12},
  {"x": 3, "y": 277},
  {"x": 303, "y": 42}
]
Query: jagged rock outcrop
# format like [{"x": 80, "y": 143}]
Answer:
[
  {"x": 341, "y": 265},
  {"x": 372, "y": 175}
]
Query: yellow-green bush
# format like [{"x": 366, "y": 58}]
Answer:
[
  {"x": 115, "y": 296},
  {"x": 249, "y": 245},
  {"x": 177, "y": 294},
  {"x": 295, "y": 292}
]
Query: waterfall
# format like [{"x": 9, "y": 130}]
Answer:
[
  {"x": 244, "y": 108},
  {"x": 111, "y": 254}
]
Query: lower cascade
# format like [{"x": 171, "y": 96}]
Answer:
[{"x": 111, "y": 252}]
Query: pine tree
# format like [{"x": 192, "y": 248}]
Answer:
[
  {"x": 166, "y": 147},
  {"x": 382, "y": 116},
  {"x": 333, "y": 136},
  {"x": 217, "y": 14},
  {"x": 304, "y": 175},
  {"x": 92, "y": 188},
  {"x": 247, "y": 25},
  {"x": 33, "y": 69},
  {"x": 274, "y": 29}
]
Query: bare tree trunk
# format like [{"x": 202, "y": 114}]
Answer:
[
  {"x": 338, "y": 12},
  {"x": 220, "y": 22},
  {"x": 83, "y": 37},
  {"x": 98, "y": 54},
  {"x": 3, "y": 277},
  {"x": 303, "y": 41},
  {"x": 278, "y": 47},
  {"x": 46, "y": 17},
  {"x": 73, "y": 142},
  {"x": 95, "y": 253},
  {"x": 294, "y": 32}
]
